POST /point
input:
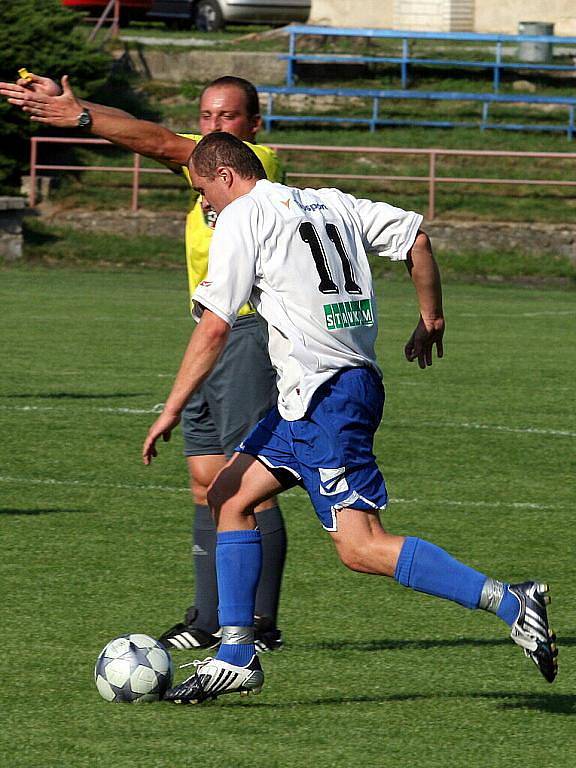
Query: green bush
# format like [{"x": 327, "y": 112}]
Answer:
[{"x": 47, "y": 39}]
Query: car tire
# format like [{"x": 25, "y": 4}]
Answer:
[{"x": 209, "y": 16}]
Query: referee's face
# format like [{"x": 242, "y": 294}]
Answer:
[{"x": 223, "y": 108}]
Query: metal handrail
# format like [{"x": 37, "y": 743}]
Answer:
[
  {"x": 113, "y": 10},
  {"x": 433, "y": 153}
]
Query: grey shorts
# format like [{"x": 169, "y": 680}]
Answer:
[{"x": 238, "y": 392}]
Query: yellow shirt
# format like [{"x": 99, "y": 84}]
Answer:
[{"x": 199, "y": 227}]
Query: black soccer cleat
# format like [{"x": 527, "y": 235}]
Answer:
[
  {"x": 214, "y": 678},
  {"x": 267, "y": 637},
  {"x": 185, "y": 636},
  {"x": 531, "y": 631}
]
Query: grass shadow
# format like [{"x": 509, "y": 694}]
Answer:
[
  {"x": 31, "y": 512},
  {"x": 370, "y": 646},
  {"x": 552, "y": 703},
  {"x": 549, "y": 703},
  {"x": 72, "y": 395}
]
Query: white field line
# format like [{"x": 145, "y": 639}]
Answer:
[
  {"x": 494, "y": 428},
  {"x": 49, "y": 481},
  {"x": 543, "y": 313},
  {"x": 436, "y": 425},
  {"x": 122, "y": 411}
]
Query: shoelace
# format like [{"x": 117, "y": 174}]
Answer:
[{"x": 197, "y": 663}]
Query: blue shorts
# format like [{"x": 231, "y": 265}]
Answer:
[{"x": 330, "y": 450}]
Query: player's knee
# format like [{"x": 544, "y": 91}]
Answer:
[
  {"x": 220, "y": 498},
  {"x": 352, "y": 557},
  {"x": 199, "y": 492},
  {"x": 215, "y": 497}
]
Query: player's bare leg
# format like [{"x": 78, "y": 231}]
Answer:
[
  {"x": 200, "y": 627},
  {"x": 363, "y": 545},
  {"x": 241, "y": 485}
]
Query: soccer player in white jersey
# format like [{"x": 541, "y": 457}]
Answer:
[{"x": 300, "y": 257}]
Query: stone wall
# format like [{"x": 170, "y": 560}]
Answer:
[
  {"x": 118, "y": 221},
  {"x": 12, "y": 210},
  {"x": 446, "y": 15},
  {"x": 496, "y": 16},
  {"x": 434, "y": 15},
  {"x": 172, "y": 67},
  {"x": 542, "y": 239},
  {"x": 351, "y": 13}
]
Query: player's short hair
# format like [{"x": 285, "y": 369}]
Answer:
[
  {"x": 220, "y": 148},
  {"x": 247, "y": 88}
]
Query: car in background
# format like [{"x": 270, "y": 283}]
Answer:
[
  {"x": 212, "y": 15},
  {"x": 129, "y": 9}
]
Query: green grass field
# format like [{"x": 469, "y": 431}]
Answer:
[{"x": 476, "y": 452}]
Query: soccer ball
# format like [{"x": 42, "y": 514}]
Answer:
[{"x": 133, "y": 668}]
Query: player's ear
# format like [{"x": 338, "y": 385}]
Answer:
[
  {"x": 255, "y": 124},
  {"x": 225, "y": 174}
]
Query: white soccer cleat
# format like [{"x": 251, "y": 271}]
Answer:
[{"x": 214, "y": 678}]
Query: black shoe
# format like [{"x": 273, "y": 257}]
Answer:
[
  {"x": 214, "y": 678},
  {"x": 267, "y": 637},
  {"x": 185, "y": 636},
  {"x": 531, "y": 631}
]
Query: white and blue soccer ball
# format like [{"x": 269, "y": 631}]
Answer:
[{"x": 133, "y": 668}]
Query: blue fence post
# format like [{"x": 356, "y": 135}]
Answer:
[
  {"x": 484, "y": 123},
  {"x": 375, "y": 110},
  {"x": 497, "y": 67},
  {"x": 404, "y": 63},
  {"x": 571, "y": 123},
  {"x": 268, "y": 115},
  {"x": 291, "y": 52}
]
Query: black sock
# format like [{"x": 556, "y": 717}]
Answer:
[
  {"x": 204, "y": 558},
  {"x": 271, "y": 525}
]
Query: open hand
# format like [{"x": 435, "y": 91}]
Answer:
[
  {"x": 43, "y": 104},
  {"x": 32, "y": 84},
  {"x": 162, "y": 427},
  {"x": 421, "y": 342}
]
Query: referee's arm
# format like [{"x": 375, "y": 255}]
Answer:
[{"x": 142, "y": 136}]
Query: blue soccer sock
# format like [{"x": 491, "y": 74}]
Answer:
[
  {"x": 509, "y": 607},
  {"x": 238, "y": 566},
  {"x": 428, "y": 568}
]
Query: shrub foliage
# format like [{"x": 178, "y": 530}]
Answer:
[{"x": 47, "y": 39}]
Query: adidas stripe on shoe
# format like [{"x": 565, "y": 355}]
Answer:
[
  {"x": 531, "y": 631},
  {"x": 184, "y": 637},
  {"x": 214, "y": 678}
]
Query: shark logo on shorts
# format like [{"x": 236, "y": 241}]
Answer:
[{"x": 332, "y": 481}]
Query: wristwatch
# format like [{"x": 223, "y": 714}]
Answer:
[{"x": 84, "y": 119}]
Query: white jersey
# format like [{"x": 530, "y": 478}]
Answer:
[{"x": 299, "y": 256}]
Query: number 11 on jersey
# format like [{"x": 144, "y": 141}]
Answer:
[{"x": 309, "y": 235}]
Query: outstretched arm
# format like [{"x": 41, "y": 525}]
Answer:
[
  {"x": 425, "y": 275},
  {"x": 31, "y": 83},
  {"x": 147, "y": 138},
  {"x": 204, "y": 349}
]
